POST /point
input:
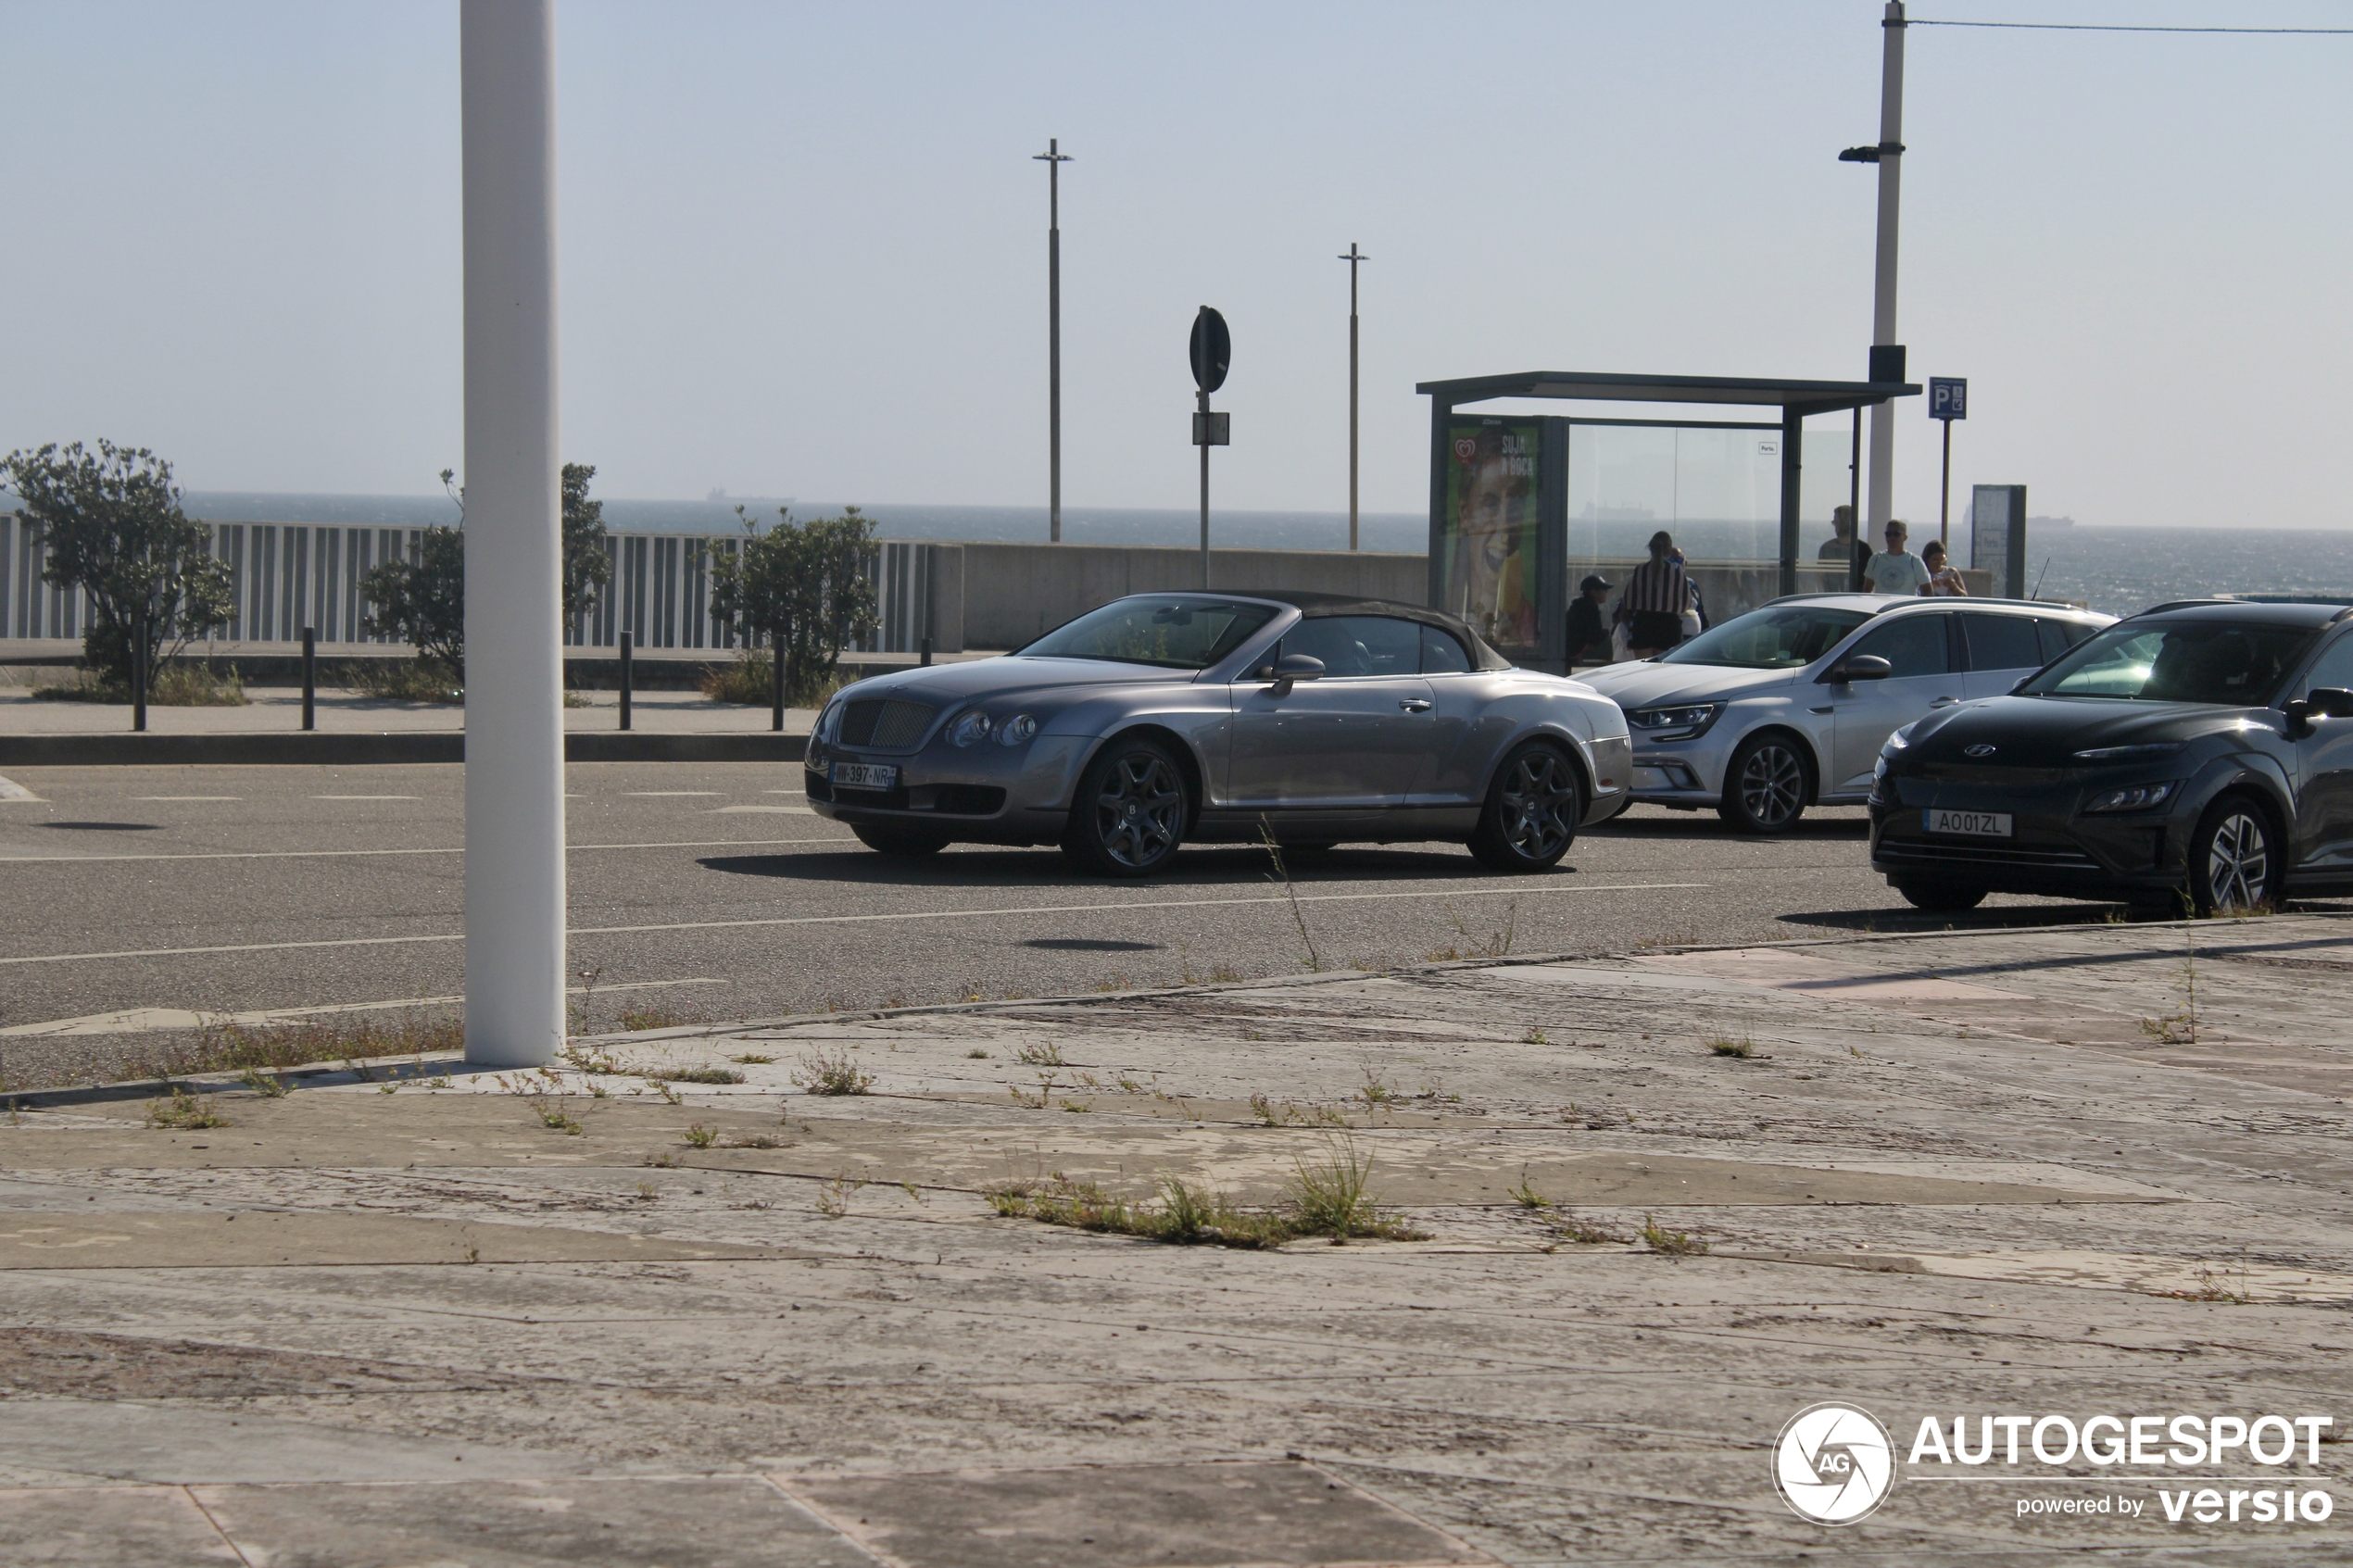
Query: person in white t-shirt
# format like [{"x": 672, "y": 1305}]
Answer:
[{"x": 1895, "y": 570}]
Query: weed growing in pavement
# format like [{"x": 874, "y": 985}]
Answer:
[
  {"x": 646, "y": 1192},
  {"x": 1038, "y": 1056},
  {"x": 1185, "y": 963},
  {"x": 1681, "y": 1244},
  {"x": 1330, "y": 1196},
  {"x": 832, "y": 1198},
  {"x": 268, "y": 1086},
  {"x": 1497, "y": 945},
  {"x": 1375, "y": 1093},
  {"x": 911, "y": 1190},
  {"x": 2227, "y": 1289},
  {"x": 406, "y": 680},
  {"x": 1129, "y": 1087},
  {"x": 1584, "y": 1233},
  {"x": 1224, "y": 974},
  {"x": 1526, "y": 1196},
  {"x": 556, "y": 1118},
  {"x": 2179, "y": 1026},
  {"x": 1724, "y": 1044},
  {"x": 183, "y": 1112},
  {"x": 661, "y": 1160},
  {"x": 389, "y": 1086},
  {"x": 1116, "y": 982},
  {"x": 750, "y": 1060},
  {"x": 1535, "y": 1036},
  {"x": 976, "y": 1054},
  {"x": 669, "y": 1095},
  {"x": 697, "y": 1075},
  {"x": 584, "y": 1062},
  {"x": 1291, "y": 1115},
  {"x": 835, "y": 1075},
  {"x": 700, "y": 1136},
  {"x": 228, "y": 1048},
  {"x": 1186, "y": 1215},
  {"x": 1282, "y": 877},
  {"x": 639, "y": 1016}
]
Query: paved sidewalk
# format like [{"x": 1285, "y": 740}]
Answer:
[{"x": 590, "y": 1318}]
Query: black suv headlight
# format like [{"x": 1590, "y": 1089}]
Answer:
[
  {"x": 1674, "y": 723},
  {"x": 2133, "y": 798}
]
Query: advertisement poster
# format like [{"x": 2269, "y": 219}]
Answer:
[{"x": 1493, "y": 486}]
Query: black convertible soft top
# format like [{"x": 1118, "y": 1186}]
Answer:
[{"x": 1316, "y": 605}]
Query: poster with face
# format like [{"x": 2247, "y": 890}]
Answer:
[{"x": 1492, "y": 486}]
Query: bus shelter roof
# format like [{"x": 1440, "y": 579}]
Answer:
[{"x": 1802, "y": 398}]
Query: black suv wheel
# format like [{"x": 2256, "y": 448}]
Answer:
[
  {"x": 1129, "y": 814},
  {"x": 1532, "y": 812},
  {"x": 2235, "y": 857}
]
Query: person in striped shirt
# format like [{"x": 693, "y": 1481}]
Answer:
[{"x": 1656, "y": 597}]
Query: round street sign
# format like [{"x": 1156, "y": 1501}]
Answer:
[{"x": 1213, "y": 349}]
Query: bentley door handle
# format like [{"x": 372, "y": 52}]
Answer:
[{"x": 1413, "y": 704}]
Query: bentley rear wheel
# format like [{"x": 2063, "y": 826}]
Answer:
[
  {"x": 1532, "y": 810},
  {"x": 1129, "y": 813}
]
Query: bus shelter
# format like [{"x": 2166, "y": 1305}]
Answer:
[{"x": 1522, "y": 506}]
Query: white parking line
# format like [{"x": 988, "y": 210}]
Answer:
[
  {"x": 663, "y": 794},
  {"x": 201, "y": 798},
  {"x": 999, "y": 913},
  {"x": 11, "y": 790},
  {"x": 365, "y": 797},
  {"x": 789, "y": 810},
  {"x": 340, "y": 854}
]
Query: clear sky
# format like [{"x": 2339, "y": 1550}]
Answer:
[{"x": 804, "y": 245}]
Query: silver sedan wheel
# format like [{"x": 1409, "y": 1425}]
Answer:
[
  {"x": 2238, "y": 861},
  {"x": 1539, "y": 805},
  {"x": 1771, "y": 785},
  {"x": 1140, "y": 810}
]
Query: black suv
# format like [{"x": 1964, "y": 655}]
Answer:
[{"x": 2203, "y": 747}]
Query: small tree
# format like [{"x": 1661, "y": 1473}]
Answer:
[
  {"x": 113, "y": 527},
  {"x": 802, "y": 586},
  {"x": 587, "y": 563},
  {"x": 423, "y": 602}
]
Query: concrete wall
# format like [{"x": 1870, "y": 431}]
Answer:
[{"x": 1013, "y": 593}]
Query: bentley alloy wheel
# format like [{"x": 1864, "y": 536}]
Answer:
[
  {"x": 1130, "y": 812},
  {"x": 1532, "y": 810}
]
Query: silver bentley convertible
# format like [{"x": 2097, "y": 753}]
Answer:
[{"x": 1160, "y": 717}]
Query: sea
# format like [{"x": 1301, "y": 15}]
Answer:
[{"x": 2116, "y": 567}]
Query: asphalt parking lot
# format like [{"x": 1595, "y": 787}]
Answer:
[{"x": 711, "y": 892}]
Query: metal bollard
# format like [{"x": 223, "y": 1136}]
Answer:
[
  {"x": 139, "y": 681},
  {"x": 926, "y": 652},
  {"x": 626, "y": 675},
  {"x": 309, "y": 678},
  {"x": 777, "y": 690}
]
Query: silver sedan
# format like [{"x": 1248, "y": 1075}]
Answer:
[{"x": 1164, "y": 718}]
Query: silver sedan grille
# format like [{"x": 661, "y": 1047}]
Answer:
[{"x": 888, "y": 725}]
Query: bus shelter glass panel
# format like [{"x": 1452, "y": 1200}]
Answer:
[{"x": 1489, "y": 527}]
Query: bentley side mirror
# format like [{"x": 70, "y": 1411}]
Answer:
[
  {"x": 1858, "y": 667},
  {"x": 1291, "y": 667}
]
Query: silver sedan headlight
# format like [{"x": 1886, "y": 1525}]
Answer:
[
  {"x": 970, "y": 730},
  {"x": 1019, "y": 730},
  {"x": 1674, "y": 723}
]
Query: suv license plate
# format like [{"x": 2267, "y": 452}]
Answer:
[
  {"x": 1970, "y": 824},
  {"x": 885, "y": 775}
]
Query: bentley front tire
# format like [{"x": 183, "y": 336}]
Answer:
[
  {"x": 1532, "y": 812},
  {"x": 1129, "y": 814}
]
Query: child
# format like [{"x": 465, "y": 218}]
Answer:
[{"x": 1943, "y": 580}]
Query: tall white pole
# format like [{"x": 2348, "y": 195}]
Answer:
[
  {"x": 514, "y": 655},
  {"x": 1891, "y": 174}
]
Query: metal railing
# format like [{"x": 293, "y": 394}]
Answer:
[{"x": 286, "y": 576}]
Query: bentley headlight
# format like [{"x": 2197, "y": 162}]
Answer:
[
  {"x": 1674, "y": 723},
  {"x": 970, "y": 730},
  {"x": 1019, "y": 730}
]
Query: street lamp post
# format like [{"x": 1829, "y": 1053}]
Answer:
[
  {"x": 1353, "y": 257},
  {"x": 1054, "y": 158},
  {"x": 1887, "y": 354},
  {"x": 514, "y": 867}
]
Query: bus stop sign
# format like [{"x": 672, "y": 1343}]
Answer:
[{"x": 1947, "y": 397}]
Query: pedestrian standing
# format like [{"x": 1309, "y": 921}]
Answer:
[
  {"x": 1841, "y": 545},
  {"x": 1656, "y": 597},
  {"x": 1895, "y": 570},
  {"x": 1588, "y": 629},
  {"x": 1942, "y": 581}
]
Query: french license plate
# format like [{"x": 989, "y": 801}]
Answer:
[
  {"x": 867, "y": 775},
  {"x": 1970, "y": 824}
]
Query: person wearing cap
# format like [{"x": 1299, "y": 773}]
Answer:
[
  {"x": 1895, "y": 570},
  {"x": 1588, "y": 628}
]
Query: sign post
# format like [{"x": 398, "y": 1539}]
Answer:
[
  {"x": 1211, "y": 350},
  {"x": 1948, "y": 400}
]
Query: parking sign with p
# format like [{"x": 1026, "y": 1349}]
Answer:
[{"x": 1947, "y": 397}]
